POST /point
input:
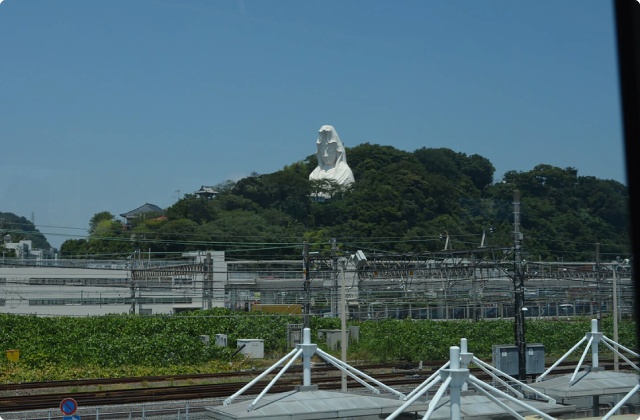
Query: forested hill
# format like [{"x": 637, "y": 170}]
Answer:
[
  {"x": 21, "y": 228},
  {"x": 401, "y": 202}
]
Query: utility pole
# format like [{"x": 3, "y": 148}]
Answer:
[
  {"x": 518, "y": 290},
  {"x": 2, "y": 238},
  {"x": 208, "y": 279},
  {"x": 474, "y": 287},
  {"x": 334, "y": 268},
  {"x": 307, "y": 285},
  {"x": 599, "y": 296},
  {"x": 132, "y": 288},
  {"x": 132, "y": 310},
  {"x": 146, "y": 282},
  {"x": 344, "y": 341},
  {"x": 616, "y": 365}
]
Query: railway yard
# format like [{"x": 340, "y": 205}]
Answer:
[{"x": 119, "y": 391}]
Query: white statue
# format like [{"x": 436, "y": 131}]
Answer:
[{"x": 332, "y": 159}]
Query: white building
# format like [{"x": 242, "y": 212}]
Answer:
[{"x": 85, "y": 287}]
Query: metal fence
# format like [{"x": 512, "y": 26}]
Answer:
[{"x": 181, "y": 410}]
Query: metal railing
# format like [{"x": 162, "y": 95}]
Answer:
[{"x": 181, "y": 410}]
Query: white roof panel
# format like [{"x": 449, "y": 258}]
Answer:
[
  {"x": 310, "y": 405},
  {"x": 589, "y": 383}
]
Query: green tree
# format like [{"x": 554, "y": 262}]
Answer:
[
  {"x": 20, "y": 228},
  {"x": 97, "y": 218}
]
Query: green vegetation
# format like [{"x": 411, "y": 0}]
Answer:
[
  {"x": 20, "y": 228},
  {"x": 401, "y": 202},
  {"x": 121, "y": 345}
]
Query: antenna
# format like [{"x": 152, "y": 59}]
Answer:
[
  {"x": 33, "y": 218},
  {"x": 447, "y": 245}
]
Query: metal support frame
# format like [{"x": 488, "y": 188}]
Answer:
[
  {"x": 500, "y": 403},
  {"x": 560, "y": 360},
  {"x": 594, "y": 338},
  {"x": 584, "y": 354},
  {"x": 621, "y": 355},
  {"x": 337, "y": 366},
  {"x": 479, "y": 384},
  {"x": 429, "y": 380},
  {"x": 282, "y": 371},
  {"x": 307, "y": 350},
  {"x": 262, "y": 375},
  {"x": 436, "y": 399},
  {"x": 455, "y": 379},
  {"x": 493, "y": 372},
  {"x": 607, "y": 339},
  {"x": 622, "y": 402},
  {"x": 346, "y": 368}
]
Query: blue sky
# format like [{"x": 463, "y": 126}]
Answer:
[{"x": 108, "y": 105}]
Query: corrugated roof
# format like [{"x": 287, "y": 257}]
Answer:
[
  {"x": 588, "y": 383},
  {"x": 309, "y": 405}
]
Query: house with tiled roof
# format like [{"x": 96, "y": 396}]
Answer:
[{"x": 145, "y": 208}]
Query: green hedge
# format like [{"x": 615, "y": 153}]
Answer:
[{"x": 161, "y": 341}]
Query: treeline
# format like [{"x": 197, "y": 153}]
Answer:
[
  {"x": 20, "y": 228},
  {"x": 401, "y": 202}
]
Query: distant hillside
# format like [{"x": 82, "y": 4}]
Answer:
[
  {"x": 21, "y": 228},
  {"x": 401, "y": 202}
]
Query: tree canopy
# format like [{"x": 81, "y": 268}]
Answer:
[
  {"x": 401, "y": 202},
  {"x": 21, "y": 228}
]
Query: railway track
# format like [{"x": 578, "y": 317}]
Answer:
[
  {"x": 168, "y": 378},
  {"x": 159, "y": 394}
]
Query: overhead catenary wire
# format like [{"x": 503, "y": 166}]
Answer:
[{"x": 378, "y": 239}]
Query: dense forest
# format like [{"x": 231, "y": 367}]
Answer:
[
  {"x": 20, "y": 228},
  {"x": 401, "y": 202}
]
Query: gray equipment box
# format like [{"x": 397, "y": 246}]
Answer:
[
  {"x": 322, "y": 334},
  {"x": 354, "y": 333},
  {"x": 204, "y": 339},
  {"x": 254, "y": 347},
  {"x": 505, "y": 359},
  {"x": 535, "y": 359},
  {"x": 334, "y": 337},
  {"x": 221, "y": 340},
  {"x": 294, "y": 334},
  {"x": 294, "y": 339}
]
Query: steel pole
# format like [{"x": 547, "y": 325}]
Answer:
[
  {"x": 343, "y": 320},
  {"x": 518, "y": 291},
  {"x": 616, "y": 365}
]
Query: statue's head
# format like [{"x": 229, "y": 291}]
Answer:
[{"x": 330, "y": 150}]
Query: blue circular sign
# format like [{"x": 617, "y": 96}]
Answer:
[{"x": 68, "y": 406}]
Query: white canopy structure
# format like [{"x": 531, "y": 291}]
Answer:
[
  {"x": 454, "y": 377},
  {"x": 306, "y": 401},
  {"x": 593, "y": 381}
]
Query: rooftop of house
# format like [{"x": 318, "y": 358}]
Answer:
[{"x": 145, "y": 208}]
